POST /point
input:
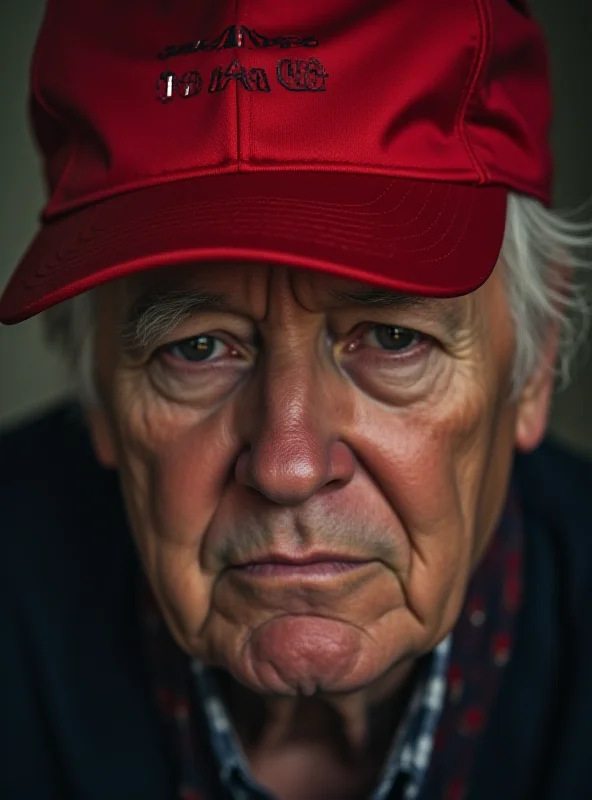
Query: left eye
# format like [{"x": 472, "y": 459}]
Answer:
[
  {"x": 393, "y": 337},
  {"x": 198, "y": 348}
]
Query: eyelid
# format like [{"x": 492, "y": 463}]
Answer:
[
  {"x": 233, "y": 349},
  {"x": 409, "y": 319},
  {"x": 355, "y": 343},
  {"x": 216, "y": 339},
  {"x": 367, "y": 327},
  {"x": 207, "y": 323},
  {"x": 178, "y": 340}
]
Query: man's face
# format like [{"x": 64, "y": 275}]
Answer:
[{"x": 261, "y": 417}]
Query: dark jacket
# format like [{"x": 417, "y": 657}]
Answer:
[{"x": 77, "y": 717}]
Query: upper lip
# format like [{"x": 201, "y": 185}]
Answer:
[{"x": 302, "y": 560}]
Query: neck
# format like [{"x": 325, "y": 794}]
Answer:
[{"x": 349, "y": 727}]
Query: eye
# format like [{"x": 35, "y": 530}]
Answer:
[
  {"x": 392, "y": 337},
  {"x": 198, "y": 348}
]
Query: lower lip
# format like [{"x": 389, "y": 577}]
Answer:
[{"x": 317, "y": 569}]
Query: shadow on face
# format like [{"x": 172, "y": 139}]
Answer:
[{"x": 311, "y": 466}]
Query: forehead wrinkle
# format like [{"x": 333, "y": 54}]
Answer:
[
  {"x": 451, "y": 312},
  {"x": 157, "y": 312}
]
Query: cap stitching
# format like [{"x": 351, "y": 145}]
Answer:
[
  {"x": 470, "y": 86},
  {"x": 247, "y": 99},
  {"x": 322, "y": 237},
  {"x": 43, "y": 102},
  {"x": 172, "y": 177},
  {"x": 349, "y": 213},
  {"x": 360, "y": 243},
  {"x": 52, "y": 112},
  {"x": 236, "y": 97}
]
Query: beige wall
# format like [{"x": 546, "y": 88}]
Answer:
[{"x": 31, "y": 377}]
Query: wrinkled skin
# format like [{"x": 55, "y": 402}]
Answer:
[{"x": 302, "y": 433}]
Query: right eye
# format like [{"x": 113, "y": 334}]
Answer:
[{"x": 197, "y": 348}]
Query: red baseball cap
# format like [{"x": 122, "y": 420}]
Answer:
[{"x": 372, "y": 139}]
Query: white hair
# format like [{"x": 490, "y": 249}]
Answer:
[{"x": 542, "y": 253}]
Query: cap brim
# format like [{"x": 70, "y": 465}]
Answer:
[{"x": 415, "y": 236}]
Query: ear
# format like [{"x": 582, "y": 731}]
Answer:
[
  {"x": 535, "y": 398},
  {"x": 103, "y": 440}
]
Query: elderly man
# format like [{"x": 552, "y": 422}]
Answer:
[{"x": 303, "y": 266}]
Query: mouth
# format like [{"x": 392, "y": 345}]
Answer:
[{"x": 324, "y": 565}]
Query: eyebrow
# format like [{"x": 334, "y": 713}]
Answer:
[
  {"x": 379, "y": 298},
  {"x": 445, "y": 310},
  {"x": 157, "y": 312}
]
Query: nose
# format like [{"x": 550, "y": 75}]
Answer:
[{"x": 293, "y": 447}]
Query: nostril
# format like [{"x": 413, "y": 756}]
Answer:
[
  {"x": 342, "y": 462},
  {"x": 291, "y": 475},
  {"x": 282, "y": 477}
]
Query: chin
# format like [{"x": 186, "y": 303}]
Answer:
[{"x": 309, "y": 655}]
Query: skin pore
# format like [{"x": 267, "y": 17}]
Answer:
[{"x": 274, "y": 415}]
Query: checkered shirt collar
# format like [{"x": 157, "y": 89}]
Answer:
[{"x": 408, "y": 757}]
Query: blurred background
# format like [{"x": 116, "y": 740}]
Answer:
[{"x": 32, "y": 377}]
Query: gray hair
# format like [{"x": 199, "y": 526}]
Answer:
[{"x": 542, "y": 253}]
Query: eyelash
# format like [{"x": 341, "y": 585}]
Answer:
[
  {"x": 364, "y": 330},
  {"x": 421, "y": 341},
  {"x": 168, "y": 350}
]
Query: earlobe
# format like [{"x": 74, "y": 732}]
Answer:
[
  {"x": 535, "y": 399},
  {"x": 102, "y": 437},
  {"x": 533, "y": 413},
  {"x": 534, "y": 404}
]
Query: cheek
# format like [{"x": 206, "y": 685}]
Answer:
[
  {"x": 432, "y": 463},
  {"x": 173, "y": 466}
]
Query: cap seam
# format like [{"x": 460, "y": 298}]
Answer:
[
  {"x": 247, "y": 97},
  {"x": 49, "y": 109},
  {"x": 471, "y": 86},
  {"x": 394, "y": 172},
  {"x": 235, "y": 50},
  {"x": 245, "y": 140}
]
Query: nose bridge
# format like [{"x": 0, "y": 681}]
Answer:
[
  {"x": 294, "y": 413},
  {"x": 291, "y": 450}
]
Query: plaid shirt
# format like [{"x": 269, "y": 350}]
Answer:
[
  {"x": 410, "y": 751},
  {"x": 434, "y": 748}
]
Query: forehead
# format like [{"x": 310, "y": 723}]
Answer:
[{"x": 252, "y": 288}]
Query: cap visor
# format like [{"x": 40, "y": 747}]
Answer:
[{"x": 417, "y": 237}]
